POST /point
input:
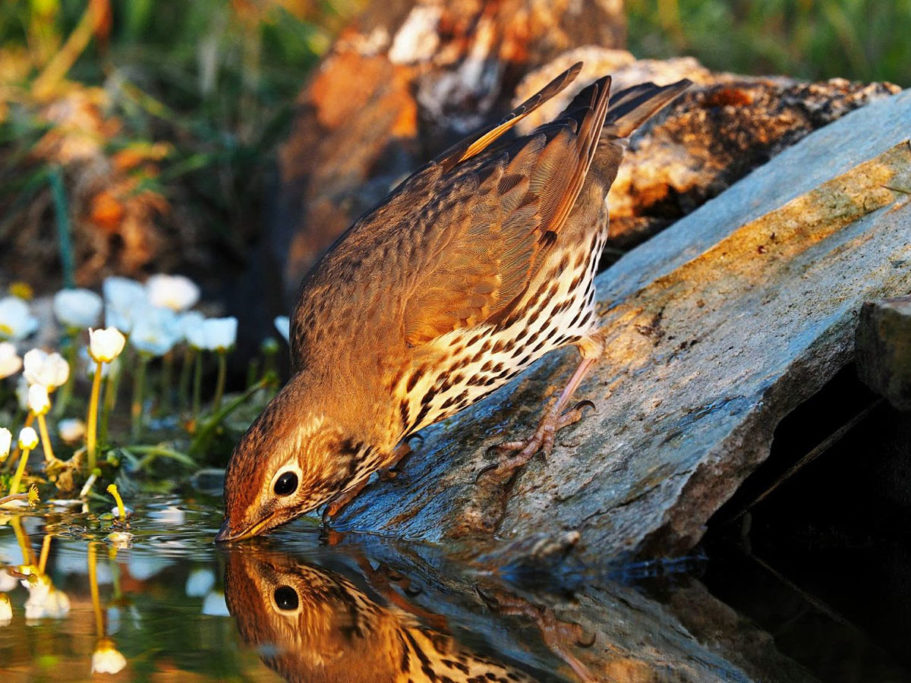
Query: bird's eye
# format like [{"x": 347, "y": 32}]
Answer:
[
  {"x": 286, "y": 484},
  {"x": 286, "y": 598}
]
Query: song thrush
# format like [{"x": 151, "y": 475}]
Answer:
[{"x": 472, "y": 268}]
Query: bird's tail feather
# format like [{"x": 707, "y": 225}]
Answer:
[{"x": 632, "y": 107}]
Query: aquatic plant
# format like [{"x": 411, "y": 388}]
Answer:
[{"x": 152, "y": 326}]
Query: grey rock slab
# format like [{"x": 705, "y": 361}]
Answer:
[
  {"x": 884, "y": 348},
  {"x": 716, "y": 329}
]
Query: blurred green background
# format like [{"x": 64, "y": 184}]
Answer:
[{"x": 866, "y": 40}]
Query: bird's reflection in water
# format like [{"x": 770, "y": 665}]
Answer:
[{"x": 312, "y": 624}]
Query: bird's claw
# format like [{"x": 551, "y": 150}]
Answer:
[
  {"x": 542, "y": 441},
  {"x": 584, "y": 404}
]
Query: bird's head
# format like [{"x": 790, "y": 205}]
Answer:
[{"x": 293, "y": 458}]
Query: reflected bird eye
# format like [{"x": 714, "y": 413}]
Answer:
[
  {"x": 286, "y": 484},
  {"x": 286, "y": 598}
]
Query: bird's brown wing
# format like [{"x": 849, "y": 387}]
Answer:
[{"x": 498, "y": 210}]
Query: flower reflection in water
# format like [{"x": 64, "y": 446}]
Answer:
[
  {"x": 46, "y": 601},
  {"x": 106, "y": 658},
  {"x": 312, "y": 624}
]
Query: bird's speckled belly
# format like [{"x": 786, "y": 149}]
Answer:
[{"x": 465, "y": 365}]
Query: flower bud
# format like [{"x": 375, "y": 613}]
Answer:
[
  {"x": 38, "y": 401},
  {"x": 28, "y": 438},
  {"x": 105, "y": 345},
  {"x": 6, "y": 441}
]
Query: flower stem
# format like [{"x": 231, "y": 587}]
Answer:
[
  {"x": 152, "y": 452},
  {"x": 91, "y": 425},
  {"x": 45, "y": 440},
  {"x": 66, "y": 392},
  {"x": 111, "y": 385},
  {"x": 121, "y": 510},
  {"x": 197, "y": 383},
  {"x": 93, "y": 587},
  {"x": 220, "y": 381},
  {"x": 139, "y": 379},
  {"x": 45, "y": 551},
  {"x": 167, "y": 374},
  {"x": 252, "y": 371},
  {"x": 20, "y": 470},
  {"x": 269, "y": 359},
  {"x": 204, "y": 433},
  {"x": 29, "y": 419},
  {"x": 183, "y": 384}
]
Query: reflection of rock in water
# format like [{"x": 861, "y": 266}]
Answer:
[{"x": 311, "y": 624}]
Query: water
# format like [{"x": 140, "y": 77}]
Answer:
[{"x": 306, "y": 605}]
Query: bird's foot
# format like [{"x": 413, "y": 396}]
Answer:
[
  {"x": 541, "y": 441},
  {"x": 334, "y": 506},
  {"x": 399, "y": 456},
  {"x": 561, "y": 636}
]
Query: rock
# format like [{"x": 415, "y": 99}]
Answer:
[
  {"x": 884, "y": 348},
  {"x": 705, "y": 141},
  {"x": 716, "y": 329}
]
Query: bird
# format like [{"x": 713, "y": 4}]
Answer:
[
  {"x": 472, "y": 268},
  {"x": 313, "y": 624}
]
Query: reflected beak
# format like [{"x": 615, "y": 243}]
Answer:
[{"x": 225, "y": 534}]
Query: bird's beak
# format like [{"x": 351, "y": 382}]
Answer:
[{"x": 226, "y": 534}]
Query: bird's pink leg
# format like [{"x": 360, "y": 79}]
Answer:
[{"x": 554, "y": 419}]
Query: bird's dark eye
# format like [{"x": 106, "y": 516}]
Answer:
[
  {"x": 286, "y": 598},
  {"x": 286, "y": 484}
]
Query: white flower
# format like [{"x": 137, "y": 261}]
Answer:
[
  {"x": 172, "y": 291},
  {"x": 71, "y": 429},
  {"x": 15, "y": 320},
  {"x": 105, "y": 345},
  {"x": 156, "y": 332},
  {"x": 28, "y": 438},
  {"x": 125, "y": 302},
  {"x": 214, "y": 605},
  {"x": 77, "y": 307},
  {"x": 107, "y": 659},
  {"x": 192, "y": 326},
  {"x": 38, "y": 401},
  {"x": 47, "y": 369},
  {"x": 7, "y": 581},
  {"x": 44, "y": 600},
  {"x": 283, "y": 325},
  {"x": 6, "y": 442},
  {"x": 6, "y": 610},
  {"x": 221, "y": 333},
  {"x": 209, "y": 334},
  {"x": 10, "y": 362},
  {"x": 199, "y": 583}
]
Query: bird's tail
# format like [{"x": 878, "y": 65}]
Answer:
[{"x": 632, "y": 107}]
